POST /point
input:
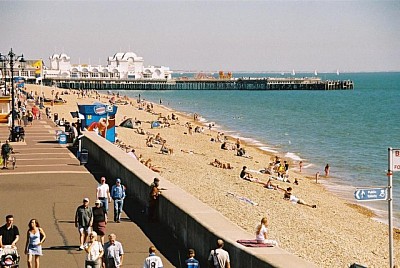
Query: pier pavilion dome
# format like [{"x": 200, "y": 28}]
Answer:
[{"x": 64, "y": 57}]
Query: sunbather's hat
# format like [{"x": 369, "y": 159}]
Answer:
[{"x": 97, "y": 201}]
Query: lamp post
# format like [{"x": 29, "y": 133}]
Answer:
[{"x": 11, "y": 57}]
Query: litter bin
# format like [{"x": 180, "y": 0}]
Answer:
[
  {"x": 84, "y": 156},
  {"x": 55, "y": 117},
  {"x": 62, "y": 138}
]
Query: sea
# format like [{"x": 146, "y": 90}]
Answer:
[{"x": 351, "y": 130}]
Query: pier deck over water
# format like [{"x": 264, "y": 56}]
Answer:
[{"x": 248, "y": 83}]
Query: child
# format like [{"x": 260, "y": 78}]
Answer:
[{"x": 192, "y": 262}]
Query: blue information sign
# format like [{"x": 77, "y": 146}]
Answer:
[{"x": 371, "y": 194}]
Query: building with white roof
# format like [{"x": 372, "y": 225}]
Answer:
[{"x": 123, "y": 66}]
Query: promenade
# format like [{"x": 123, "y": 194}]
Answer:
[{"x": 48, "y": 184}]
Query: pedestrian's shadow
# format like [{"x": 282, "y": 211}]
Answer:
[{"x": 61, "y": 248}]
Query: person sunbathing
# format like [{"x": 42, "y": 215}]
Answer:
[
  {"x": 149, "y": 142},
  {"x": 165, "y": 150},
  {"x": 262, "y": 233},
  {"x": 158, "y": 139},
  {"x": 244, "y": 174},
  {"x": 269, "y": 185},
  {"x": 216, "y": 163},
  {"x": 287, "y": 195},
  {"x": 227, "y": 166},
  {"x": 150, "y": 166},
  {"x": 140, "y": 131}
]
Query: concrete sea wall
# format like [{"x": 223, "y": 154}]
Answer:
[{"x": 194, "y": 223}]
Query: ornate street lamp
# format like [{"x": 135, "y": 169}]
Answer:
[{"x": 11, "y": 58}]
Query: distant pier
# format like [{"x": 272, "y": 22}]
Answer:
[{"x": 269, "y": 83}]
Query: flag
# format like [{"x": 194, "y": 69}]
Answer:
[{"x": 38, "y": 65}]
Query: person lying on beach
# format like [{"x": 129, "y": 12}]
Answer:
[
  {"x": 287, "y": 195},
  {"x": 267, "y": 170},
  {"x": 152, "y": 167},
  {"x": 262, "y": 233},
  {"x": 199, "y": 129},
  {"x": 140, "y": 131},
  {"x": 165, "y": 150},
  {"x": 219, "y": 164},
  {"x": 216, "y": 163},
  {"x": 281, "y": 178},
  {"x": 241, "y": 152},
  {"x": 190, "y": 152},
  {"x": 269, "y": 185}
]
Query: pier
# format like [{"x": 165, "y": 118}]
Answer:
[{"x": 268, "y": 83}]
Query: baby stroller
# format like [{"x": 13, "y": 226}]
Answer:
[{"x": 9, "y": 257}]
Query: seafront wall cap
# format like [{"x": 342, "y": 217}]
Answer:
[
  {"x": 85, "y": 199},
  {"x": 118, "y": 180}
]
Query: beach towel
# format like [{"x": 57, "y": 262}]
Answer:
[
  {"x": 253, "y": 243},
  {"x": 242, "y": 198}
]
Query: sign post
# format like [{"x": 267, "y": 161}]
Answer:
[{"x": 393, "y": 165}]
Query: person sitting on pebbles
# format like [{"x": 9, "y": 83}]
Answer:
[{"x": 287, "y": 195}]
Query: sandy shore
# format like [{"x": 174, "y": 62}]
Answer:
[{"x": 335, "y": 234}]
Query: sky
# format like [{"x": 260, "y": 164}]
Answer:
[{"x": 259, "y": 36}]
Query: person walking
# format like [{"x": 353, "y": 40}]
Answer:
[
  {"x": 191, "y": 262},
  {"x": 34, "y": 240},
  {"x": 118, "y": 195},
  {"x": 152, "y": 261},
  {"x": 9, "y": 233},
  {"x": 99, "y": 220},
  {"x": 219, "y": 258},
  {"x": 83, "y": 221},
  {"x": 103, "y": 193},
  {"x": 113, "y": 253},
  {"x": 6, "y": 149},
  {"x": 94, "y": 250}
]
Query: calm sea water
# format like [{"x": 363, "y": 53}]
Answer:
[{"x": 350, "y": 130}]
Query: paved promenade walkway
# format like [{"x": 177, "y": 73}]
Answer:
[{"x": 48, "y": 184}]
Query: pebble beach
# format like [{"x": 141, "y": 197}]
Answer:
[{"x": 334, "y": 234}]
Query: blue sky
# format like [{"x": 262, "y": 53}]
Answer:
[{"x": 211, "y": 35}]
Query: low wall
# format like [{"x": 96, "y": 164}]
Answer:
[{"x": 194, "y": 223}]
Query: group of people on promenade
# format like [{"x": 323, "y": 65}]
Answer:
[{"x": 91, "y": 223}]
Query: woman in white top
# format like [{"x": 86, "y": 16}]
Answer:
[
  {"x": 262, "y": 233},
  {"x": 94, "y": 250}
]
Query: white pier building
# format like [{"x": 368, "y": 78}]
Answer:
[{"x": 124, "y": 66}]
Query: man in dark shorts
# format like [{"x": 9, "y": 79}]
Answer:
[{"x": 9, "y": 233}]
